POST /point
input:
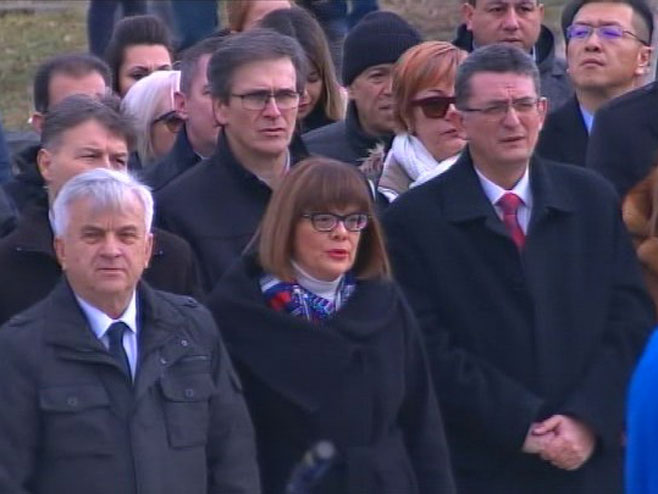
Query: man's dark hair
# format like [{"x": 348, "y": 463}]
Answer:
[
  {"x": 499, "y": 58},
  {"x": 642, "y": 18},
  {"x": 72, "y": 65},
  {"x": 189, "y": 62},
  {"x": 134, "y": 30},
  {"x": 255, "y": 45},
  {"x": 80, "y": 108}
]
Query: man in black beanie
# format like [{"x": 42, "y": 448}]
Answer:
[{"x": 371, "y": 48}]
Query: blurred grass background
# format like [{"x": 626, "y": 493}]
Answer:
[{"x": 31, "y": 31}]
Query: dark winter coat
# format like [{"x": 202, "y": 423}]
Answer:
[
  {"x": 343, "y": 141},
  {"x": 555, "y": 83},
  {"x": 29, "y": 269},
  {"x": 27, "y": 186},
  {"x": 216, "y": 206},
  {"x": 564, "y": 135},
  {"x": 180, "y": 159},
  {"x": 359, "y": 380},
  {"x": 515, "y": 338},
  {"x": 77, "y": 424},
  {"x": 623, "y": 146}
]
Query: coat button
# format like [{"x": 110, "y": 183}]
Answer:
[
  {"x": 163, "y": 361},
  {"x": 184, "y": 342},
  {"x": 72, "y": 401},
  {"x": 189, "y": 393}
]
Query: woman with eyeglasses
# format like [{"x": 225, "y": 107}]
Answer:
[
  {"x": 326, "y": 346},
  {"x": 427, "y": 143},
  {"x": 151, "y": 104}
]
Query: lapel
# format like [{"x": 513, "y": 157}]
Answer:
[
  {"x": 305, "y": 363},
  {"x": 465, "y": 201}
]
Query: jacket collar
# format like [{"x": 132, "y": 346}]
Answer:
[
  {"x": 465, "y": 200},
  {"x": 357, "y": 138},
  {"x": 544, "y": 48},
  {"x": 182, "y": 151}
]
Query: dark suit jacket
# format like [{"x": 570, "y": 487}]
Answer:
[
  {"x": 564, "y": 136},
  {"x": 216, "y": 206},
  {"x": 513, "y": 339},
  {"x": 180, "y": 159},
  {"x": 623, "y": 146},
  {"x": 29, "y": 269},
  {"x": 77, "y": 424}
]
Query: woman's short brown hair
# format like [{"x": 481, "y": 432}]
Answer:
[
  {"x": 423, "y": 66},
  {"x": 314, "y": 185}
]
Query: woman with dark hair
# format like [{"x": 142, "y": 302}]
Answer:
[
  {"x": 139, "y": 45},
  {"x": 323, "y": 101},
  {"x": 327, "y": 347}
]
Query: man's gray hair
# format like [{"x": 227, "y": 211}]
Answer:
[
  {"x": 106, "y": 189},
  {"x": 499, "y": 58}
]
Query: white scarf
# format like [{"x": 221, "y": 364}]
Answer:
[{"x": 410, "y": 153}]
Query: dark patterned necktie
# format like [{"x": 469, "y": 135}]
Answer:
[
  {"x": 509, "y": 204},
  {"x": 115, "y": 337}
]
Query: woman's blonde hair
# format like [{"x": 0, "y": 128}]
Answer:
[
  {"x": 319, "y": 184},
  {"x": 141, "y": 102},
  {"x": 429, "y": 64}
]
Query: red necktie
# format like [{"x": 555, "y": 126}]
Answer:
[{"x": 509, "y": 204}]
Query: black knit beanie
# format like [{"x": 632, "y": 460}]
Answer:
[{"x": 380, "y": 37}]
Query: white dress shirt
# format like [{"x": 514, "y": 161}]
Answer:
[
  {"x": 99, "y": 322},
  {"x": 522, "y": 189}
]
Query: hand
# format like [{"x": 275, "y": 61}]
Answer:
[
  {"x": 571, "y": 445},
  {"x": 534, "y": 443}
]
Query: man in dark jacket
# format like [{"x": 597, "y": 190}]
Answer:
[
  {"x": 608, "y": 54},
  {"x": 116, "y": 387},
  {"x": 79, "y": 133},
  {"x": 255, "y": 79},
  {"x": 517, "y": 22},
  {"x": 55, "y": 79},
  {"x": 532, "y": 328},
  {"x": 198, "y": 136},
  {"x": 371, "y": 48}
]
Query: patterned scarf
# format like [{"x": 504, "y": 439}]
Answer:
[{"x": 294, "y": 299}]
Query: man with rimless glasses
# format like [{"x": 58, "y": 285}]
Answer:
[
  {"x": 608, "y": 54},
  {"x": 528, "y": 291},
  {"x": 255, "y": 80}
]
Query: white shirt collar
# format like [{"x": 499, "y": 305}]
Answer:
[
  {"x": 494, "y": 191},
  {"x": 99, "y": 322}
]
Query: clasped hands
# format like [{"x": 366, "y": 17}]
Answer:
[{"x": 563, "y": 441}]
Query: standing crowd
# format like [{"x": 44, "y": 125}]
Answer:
[{"x": 314, "y": 253}]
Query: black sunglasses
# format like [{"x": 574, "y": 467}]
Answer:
[
  {"x": 434, "y": 106},
  {"x": 171, "y": 119}
]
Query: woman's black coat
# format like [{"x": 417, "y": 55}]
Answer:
[{"x": 359, "y": 380}]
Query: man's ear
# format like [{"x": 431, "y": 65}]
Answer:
[
  {"x": 219, "y": 109},
  {"x": 456, "y": 118},
  {"x": 643, "y": 62},
  {"x": 36, "y": 121},
  {"x": 180, "y": 104},
  {"x": 44, "y": 162},
  {"x": 59, "y": 252},
  {"x": 149, "y": 249},
  {"x": 467, "y": 14}
]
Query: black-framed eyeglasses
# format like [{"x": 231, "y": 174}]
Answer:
[
  {"x": 327, "y": 222},
  {"x": 434, "y": 106},
  {"x": 607, "y": 32},
  {"x": 285, "y": 99},
  {"x": 522, "y": 106},
  {"x": 171, "y": 119}
]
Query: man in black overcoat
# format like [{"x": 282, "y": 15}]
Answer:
[
  {"x": 529, "y": 294},
  {"x": 256, "y": 79},
  {"x": 111, "y": 386},
  {"x": 608, "y": 54}
]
